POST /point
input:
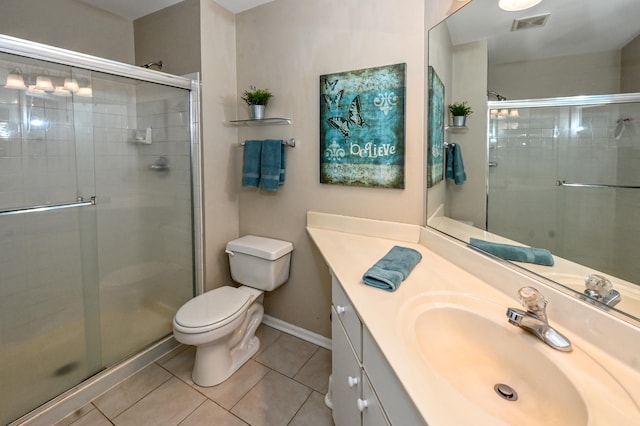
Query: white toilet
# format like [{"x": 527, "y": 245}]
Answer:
[{"x": 222, "y": 322}]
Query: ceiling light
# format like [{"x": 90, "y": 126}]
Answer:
[
  {"x": 516, "y": 5},
  {"x": 15, "y": 81}
]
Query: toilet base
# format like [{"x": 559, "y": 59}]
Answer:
[{"x": 217, "y": 361}]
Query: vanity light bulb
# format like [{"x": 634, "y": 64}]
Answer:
[
  {"x": 44, "y": 83},
  {"x": 15, "y": 81},
  {"x": 71, "y": 85},
  {"x": 86, "y": 92}
]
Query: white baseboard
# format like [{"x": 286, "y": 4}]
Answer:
[{"x": 299, "y": 332}]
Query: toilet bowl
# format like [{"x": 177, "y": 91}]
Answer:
[{"x": 222, "y": 323}]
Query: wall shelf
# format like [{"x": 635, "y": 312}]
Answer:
[
  {"x": 456, "y": 129},
  {"x": 261, "y": 122}
]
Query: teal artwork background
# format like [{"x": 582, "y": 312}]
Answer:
[
  {"x": 435, "y": 122},
  {"x": 362, "y": 127}
]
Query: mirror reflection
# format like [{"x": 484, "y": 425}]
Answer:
[{"x": 552, "y": 150}]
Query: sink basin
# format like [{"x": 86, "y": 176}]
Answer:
[{"x": 466, "y": 347}]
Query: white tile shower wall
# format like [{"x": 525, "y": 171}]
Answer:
[{"x": 543, "y": 145}]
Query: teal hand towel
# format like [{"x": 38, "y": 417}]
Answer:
[
  {"x": 272, "y": 165},
  {"x": 389, "y": 272},
  {"x": 251, "y": 164},
  {"x": 455, "y": 165},
  {"x": 538, "y": 256}
]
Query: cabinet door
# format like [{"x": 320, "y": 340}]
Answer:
[
  {"x": 346, "y": 382},
  {"x": 347, "y": 315},
  {"x": 372, "y": 414}
]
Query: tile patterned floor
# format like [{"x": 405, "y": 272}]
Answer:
[{"x": 283, "y": 384}]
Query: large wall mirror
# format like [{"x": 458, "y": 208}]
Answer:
[{"x": 552, "y": 149}]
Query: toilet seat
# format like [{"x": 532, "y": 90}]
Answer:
[{"x": 212, "y": 310}]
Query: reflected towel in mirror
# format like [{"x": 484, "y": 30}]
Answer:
[
  {"x": 538, "y": 256},
  {"x": 455, "y": 166}
]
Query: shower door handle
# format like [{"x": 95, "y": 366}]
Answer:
[
  {"x": 594, "y": 185},
  {"x": 80, "y": 203},
  {"x": 493, "y": 164}
]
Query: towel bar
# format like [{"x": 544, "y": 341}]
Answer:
[{"x": 291, "y": 142}]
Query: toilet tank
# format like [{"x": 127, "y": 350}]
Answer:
[{"x": 259, "y": 262}]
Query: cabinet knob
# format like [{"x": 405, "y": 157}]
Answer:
[
  {"x": 352, "y": 381},
  {"x": 340, "y": 309},
  {"x": 362, "y": 404}
]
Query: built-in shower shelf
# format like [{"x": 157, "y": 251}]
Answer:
[
  {"x": 456, "y": 129},
  {"x": 261, "y": 122}
]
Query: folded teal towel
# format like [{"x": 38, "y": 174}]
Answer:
[
  {"x": 251, "y": 164},
  {"x": 455, "y": 166},
  {"x": 388, "y": 272},
  {"x": 272, "y": 165},
  {"x": 518, "y": 253}
]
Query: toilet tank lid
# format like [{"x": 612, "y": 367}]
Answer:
[{"x": 266, "y": 248}]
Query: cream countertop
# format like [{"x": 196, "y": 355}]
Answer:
[{"x": 350, "y": 246}]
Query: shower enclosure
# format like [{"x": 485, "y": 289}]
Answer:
[
  {"x": 97, "y": 248},
  {"x": 565, "y": 178}
]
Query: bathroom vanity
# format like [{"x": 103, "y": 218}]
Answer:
[{"x": 440, "y": 350}]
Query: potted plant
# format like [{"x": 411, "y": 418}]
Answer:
[
  {"x": 459, "y": 112},
  {"x": 257, "y": 99}
]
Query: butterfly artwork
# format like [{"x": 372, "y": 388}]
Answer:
[
  {"x": 332, "y": 97},
  {"x": 361, "y": 142},
  {"x": 354, "y": 118},
  {"x": 331, "y": 100}
]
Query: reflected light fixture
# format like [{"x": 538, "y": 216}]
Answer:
[
  {"x": 15, "y": 81},
  {"x": 44, "y": 83},
  {"x": 71, "y": 85},
  {"x": 61, "y": 91},
  {"x": 516, "y": 5},
  {"x": 85, "y": 92}
]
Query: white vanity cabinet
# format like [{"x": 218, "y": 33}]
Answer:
[{"x": 360, "y": 395}]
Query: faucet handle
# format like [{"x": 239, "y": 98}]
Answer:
[
  {"x": 598, "y": 284},
  {"x": 533, "y": 300}
]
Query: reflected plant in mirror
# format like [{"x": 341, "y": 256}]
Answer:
[{"x": 553, "y": 150}]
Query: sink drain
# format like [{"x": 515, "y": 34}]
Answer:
[{"x": 506, "y": 392}]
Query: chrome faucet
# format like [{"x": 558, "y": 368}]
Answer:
[
  {"x": 534, "y": 319},
  {"x": 599, "y": 288}
]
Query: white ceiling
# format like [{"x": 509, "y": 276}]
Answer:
[
  {"x": 574, "y": 27},
  {"x": 134, "y": 9}
]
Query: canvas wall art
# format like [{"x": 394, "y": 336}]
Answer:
[
  {"x": 362, "y": 127},
  {"x": 435, "y": 122}
]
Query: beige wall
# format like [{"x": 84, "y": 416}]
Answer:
[
  {"x": 172, "y": 35},
  {"x": 219, "y": 141},
  {"x": 468, "y": 201},
  {"x": 589, "y": 74},
  {"x": 71, "y": 25},
  {"x": 441, "y": 59},
  {"x": 630, "y": 67},
  {"x": 285, "y": 46}
]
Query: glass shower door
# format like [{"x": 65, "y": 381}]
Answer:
[
  {"x": 142, "y": 145},
  {"x": 45, "y": 201}
]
